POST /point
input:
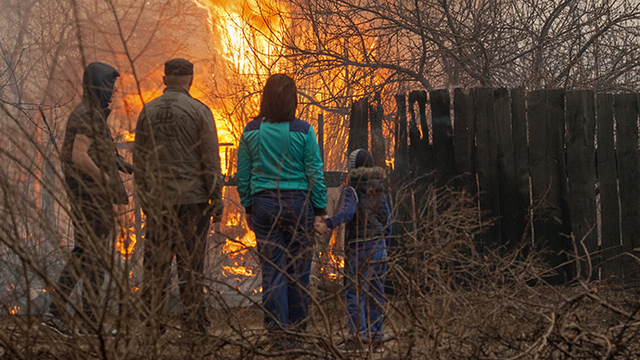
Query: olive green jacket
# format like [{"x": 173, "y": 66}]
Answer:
[{"x": 175, "y": 154}]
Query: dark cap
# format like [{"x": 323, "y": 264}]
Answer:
[
  {"x": 178, "y": 67},
  {"x": 359, "y": 158}
]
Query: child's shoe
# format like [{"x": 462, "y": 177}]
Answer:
[{"x": 353, "y": 345}]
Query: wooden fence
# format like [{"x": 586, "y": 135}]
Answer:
[{"x": 547, "y": 165}]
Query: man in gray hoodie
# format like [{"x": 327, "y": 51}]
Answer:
[{"x": 90, "y": 164}]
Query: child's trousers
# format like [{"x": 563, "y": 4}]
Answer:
[{"x": 367, "y": 267}]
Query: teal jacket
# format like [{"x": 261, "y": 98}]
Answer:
[{"x": 283, "y": 156}]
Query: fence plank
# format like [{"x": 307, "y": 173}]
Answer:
[
  {"x": 519, "y": 134},
  {"x": 506, "y": 168},
  {"x": 442, "y": 136},
  {"x": 359, "y": 126},
  {"x": 581, "y": 171},
  {"x": 608, "y": 186},
  {"x": 626, "y": 112},
  {"x": 400, "y": 194},
  {"x": 487, "y": 164},
  {"x": 417, "y": 149},
  {"x": 546, "y": 121},
  {"x": 378, "y": 147},
  {"x": 464, "y": 139},
  {"x": 401, "y": 163}
]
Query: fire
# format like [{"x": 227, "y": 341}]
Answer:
[
  {"x": 238, "y": 270},
  {"x": 239, "y": 246},
  {"x": 126, "y": 242},
  {"x": 134, "y": 289},
  {"x": 14, "y": 310},
  {"x": 128, "y": 136}
]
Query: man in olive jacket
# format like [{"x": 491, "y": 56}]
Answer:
[{"x": 179, "y": 184}]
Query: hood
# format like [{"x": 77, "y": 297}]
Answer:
[
  {"x": 369, "y": 178},
  {"x": 98, "y": 82}
]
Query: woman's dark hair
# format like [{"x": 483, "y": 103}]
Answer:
[{"x": 279, "y": 99}]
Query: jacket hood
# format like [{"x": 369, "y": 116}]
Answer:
[
  {"x": 98, "y": 82},
  {"x": 369, "y": 178}
]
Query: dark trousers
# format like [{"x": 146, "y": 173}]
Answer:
[
  {"x": 283, "y": 222},
  {"x": 93, "y": 220},
  {"x": 179, "y": 231}
]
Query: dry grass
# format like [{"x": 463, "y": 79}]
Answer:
[{"x": 449, "y": 300}]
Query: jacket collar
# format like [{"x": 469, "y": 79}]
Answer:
[
  {"x": 375, "y": 172},
  {"x": 174, "y": 88}
]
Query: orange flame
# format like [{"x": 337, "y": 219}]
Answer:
[
  {"x": 128, "y": 136},
  {"x": 14, "y": 310},
  {"x": 239, "y": 246},
  {"x": 238, "y": 270},
  {"x": 126, "y": 242}
]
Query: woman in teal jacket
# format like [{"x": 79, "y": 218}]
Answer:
[{"x": 281, "y": 186}]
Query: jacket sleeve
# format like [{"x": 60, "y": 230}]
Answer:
[
  {"x": 387, "y": 220},
  {"x": 141, "y": 156},
  {"x": 210, "y": 161},
  {"x": 348, "y": 209},
  {"x": 315, "y": 174},
  {"x": 244, "y": 174}
]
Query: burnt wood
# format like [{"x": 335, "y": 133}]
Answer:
[
  {"x": 425, "y": 160},
  {"x": 443, "y": 158},
  {"x": 376, "y": 113},
  {"x": 519, "y": 134},
  {"x": 580, "y": 116},
  {"x": 546, "y": 124},
  {"x": 611, "y": 265},
  {"x": 626, "y": 113},
  {"x": 488, "y": 166},
  {"x": 417, "y": 150},
  {"x": 464, "y": 140},
  {"x": 401, "y": 163},
  {"x": 506, "y": 169},
  {"x": 359, "y": 126}
]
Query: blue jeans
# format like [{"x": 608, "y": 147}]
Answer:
[
  {"x": 283, "y": 224},
  {"x": 367, "y": 267}
]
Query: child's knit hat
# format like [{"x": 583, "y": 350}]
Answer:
[{"x": 359, "y": 158}]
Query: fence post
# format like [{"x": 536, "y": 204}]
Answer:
[
  {"x": 608, "y": 186},
  {"x": 520, "y": 135},
  {"x": 376, "y": 112},
  {"x": 464, "y": 130},
  {"x": 359, "y": 126},
  {"x": 581, "y": 171},
  {"x": 506, "y": 168},
  {"x": 487, "y": 165},
  {"x": 443, "y": 157},
  {"x": 546, "y": 131},
  {"x": 626, "y": 112},
  {"x": 401, "y": 150}
]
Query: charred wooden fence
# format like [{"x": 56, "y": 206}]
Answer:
[{"x": 548, "y": 166}]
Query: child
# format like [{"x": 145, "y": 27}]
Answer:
[{"x": 368, "y": 226}]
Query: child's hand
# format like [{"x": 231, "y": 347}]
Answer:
[{"x": 320, "y": 224}]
